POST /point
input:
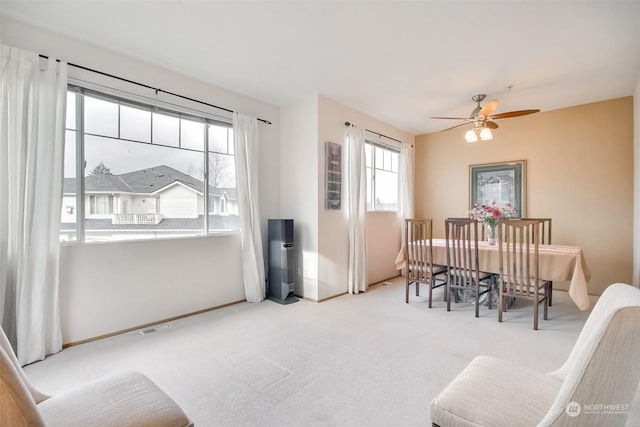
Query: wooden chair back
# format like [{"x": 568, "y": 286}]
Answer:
[
  {"x": 418, "y": 243},
  {"x": 545, "y": 229},
  {"x": 545, "y": 234},
  {"x": 420, "y": 268},
  {"x": 519, "y": 248},
  {"x": 462, "y": 252},
  {"x": 519, "y": 243}
]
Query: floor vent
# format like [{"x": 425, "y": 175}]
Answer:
[
  {"x": 149, "y": 331},
  {"x": 386, "y": 283}
]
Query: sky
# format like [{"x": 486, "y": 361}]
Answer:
[{"x": 126, "y": 139}]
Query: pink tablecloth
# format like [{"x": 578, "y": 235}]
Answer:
[{"x": 557, "y": 263}]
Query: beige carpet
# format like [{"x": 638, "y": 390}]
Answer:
[{"x": 356, "y": 360}]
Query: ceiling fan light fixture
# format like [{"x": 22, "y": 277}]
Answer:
[
  {"x": 485, "y": 134},
  {"x": 483, "y": 120},
  {"x": 471, "y": 136}
]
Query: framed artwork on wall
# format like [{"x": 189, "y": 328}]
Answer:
[
  {"x": 333, "y": 176},
  {"x": 503, "y": 182}
]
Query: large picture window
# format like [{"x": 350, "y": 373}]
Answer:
[
  {"x": 138, "y": 171},
  {"x": 382, "y": 177}
]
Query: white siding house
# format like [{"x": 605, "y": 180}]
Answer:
[{"x": 148, "y": 203}]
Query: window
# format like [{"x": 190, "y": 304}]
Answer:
[
  {"x": 100, "y": 205},
  {"x": 138, "y": 171},
  {"x": 382, "y": 177}
]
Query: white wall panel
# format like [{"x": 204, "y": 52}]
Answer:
[{"x": 107, "y": 287}]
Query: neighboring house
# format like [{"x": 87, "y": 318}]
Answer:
[{"x": 154, "y": 202}]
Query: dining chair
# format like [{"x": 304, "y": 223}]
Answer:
[
  {"x": 545, "y": 239},
  {"x": 545, "y": 235},
  {"x": 518, "y": 246},
  {"x": 420, "y": 267},
  {"x": 463, "y": 272},
  {"x": 594, "y": 387}
]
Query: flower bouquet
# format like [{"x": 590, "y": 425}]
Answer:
[{"x": 490, "y": 215}]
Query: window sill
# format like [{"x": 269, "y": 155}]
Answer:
[{"x": 107, "y": 242}]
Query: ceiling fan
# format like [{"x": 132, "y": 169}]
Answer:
[{"x": 482, "y": 119}]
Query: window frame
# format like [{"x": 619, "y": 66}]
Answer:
[
  {"x": 97, "y": 202},
  {"x": 371, "y": 181},
  {"x": 79, "y": 91}
]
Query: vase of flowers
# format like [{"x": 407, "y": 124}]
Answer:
[
  {"x": 490, "y": 215},
  {"x": 492, "y": 233}
]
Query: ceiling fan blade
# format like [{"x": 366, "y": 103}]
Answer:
[
  {"x": 512, "y": 114},
  {"x": 488, "y": 109},
  {"x": 453, "y": 127},
  {"x": 491, "y": 125},
  {"x": 451, "y": 118}
]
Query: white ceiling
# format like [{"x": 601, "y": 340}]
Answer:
[{"x": 400, "y": 62}]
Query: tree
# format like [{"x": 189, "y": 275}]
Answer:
[
  {"x": 101, "y": 169},
  {"x": 221, "y": 171}
]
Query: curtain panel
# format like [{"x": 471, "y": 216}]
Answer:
[
  {"x": 356, "y": 208},
  {"x": 407, "y": 207},
  {"x": 32, "y": 111},
  {"x": 245, "y": 138}
]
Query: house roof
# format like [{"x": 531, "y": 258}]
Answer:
[
  {"x": 106, "y": 182},
  {"x": 231, "y": 192},
  {"x": 143, "y": 181},
  {"x": 147, "y": 181}
]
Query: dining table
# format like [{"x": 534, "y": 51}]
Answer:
[{"x": 555, "y": 263}]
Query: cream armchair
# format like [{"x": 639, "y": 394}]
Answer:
[
  {"x": 594, "y": 387},
  {"x": 128, "y": 399}
]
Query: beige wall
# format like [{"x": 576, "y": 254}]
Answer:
[{"x": 579, "y": 172}]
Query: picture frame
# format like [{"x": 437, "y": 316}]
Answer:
[
  {"x": 333, "y": 176},
  {"x": 503, "y": 182}
]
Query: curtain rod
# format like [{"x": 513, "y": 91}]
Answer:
[
  {"x": 376, "y": 133},
  {"x": 151, "y": 87}
]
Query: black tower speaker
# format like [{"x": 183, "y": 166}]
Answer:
[{"x": 282, "y": 262}]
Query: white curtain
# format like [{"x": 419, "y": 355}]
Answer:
[
  {"x": 33, "y": 103},
  {"x": 245, "y": 138},
  {"x": 356, "y": 208},
  {"x": 406, "y": 196}
]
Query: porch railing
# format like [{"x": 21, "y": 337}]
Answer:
[{"x": 131, "y": 218}]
